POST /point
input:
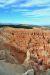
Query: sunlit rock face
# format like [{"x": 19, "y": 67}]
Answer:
[{"x": 14, "y": 44}]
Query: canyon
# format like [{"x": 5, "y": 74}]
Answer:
[{"x": 15, "y": 43}]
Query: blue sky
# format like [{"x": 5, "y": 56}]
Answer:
[{"x": 36, "y": 12}]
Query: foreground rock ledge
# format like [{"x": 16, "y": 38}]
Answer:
[{"x": 14, "y": 44}]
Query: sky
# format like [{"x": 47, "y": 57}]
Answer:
[{"x": 35, "y": 12}]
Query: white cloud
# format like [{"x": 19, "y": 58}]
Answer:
[
  {"x": 1, "y": 5},
  {"x": 14, "y": 5},
  {"x": 6, "y": 2},
  {"x": 41, "y": 12},
  {"x": 21, "y": 10},
  {"x": 27, "y": 3},
  {"x": 10, "y": 1},
  {"x": 34, "y": 2}
]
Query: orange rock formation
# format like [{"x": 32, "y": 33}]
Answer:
[{"x": 16, "y": 42}]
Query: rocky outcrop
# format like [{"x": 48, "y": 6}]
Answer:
[{"x": 14, "y": 44}]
